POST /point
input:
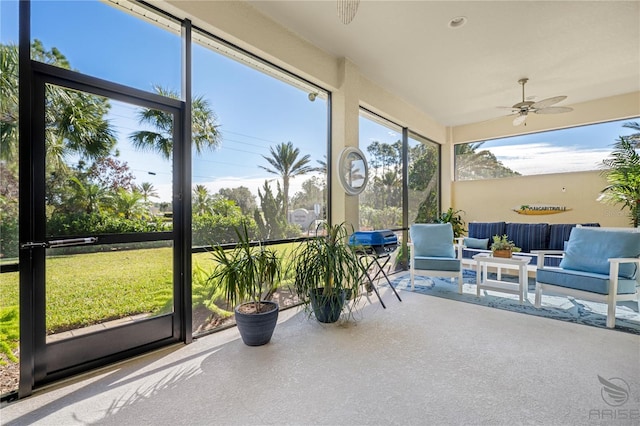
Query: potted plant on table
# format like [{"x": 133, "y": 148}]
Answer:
[
  {"x": 503, "y": 247},
  {"x": 327, "y": 273},
  {"x": 248, "y": 275}
]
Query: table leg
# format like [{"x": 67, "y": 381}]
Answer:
[
  {"x": 365, "y": 273},
  {"x": 381, "y": 269},
  {"x": 524, "y": 282},
  {"x": 478, "y": 271}
]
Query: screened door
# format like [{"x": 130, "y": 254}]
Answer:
[{"x": 106, "y": 264}]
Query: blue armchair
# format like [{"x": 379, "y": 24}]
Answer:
[
  {"x": 600, "y": 265},
  {"x": 433, "y": 253}
]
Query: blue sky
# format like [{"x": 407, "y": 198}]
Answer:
[{"x": 255, "y": 111}]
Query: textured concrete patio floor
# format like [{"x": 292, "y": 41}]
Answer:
[{"x": 424, "y": 360}]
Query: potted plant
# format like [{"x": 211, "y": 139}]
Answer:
[
  {"x": 248, "y": 275},
  {"x": 503, "y": 247},
  {"x": 453, "y": 217},
  {"x": 327, "y": 273}
]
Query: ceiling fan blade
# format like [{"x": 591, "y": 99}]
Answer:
[
  {"x": 553, "y": 110},
  {"x": 521, "y": 118},
  {"x": 548, "y": 102}
]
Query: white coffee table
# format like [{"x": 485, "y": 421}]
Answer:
[{"x": 483, "y": 260}]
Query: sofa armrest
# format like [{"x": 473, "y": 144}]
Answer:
[
  {"x": 543, "y": 253},
  {"x": 614, "y": 267},
  {"x": 619, "y": 260}
]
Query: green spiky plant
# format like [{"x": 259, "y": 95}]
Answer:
[
  {"x": 247, "y": 273},
  {"x": 328, "y": 267}
]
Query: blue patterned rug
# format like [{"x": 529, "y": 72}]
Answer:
[{"x": 557, "y": 307}]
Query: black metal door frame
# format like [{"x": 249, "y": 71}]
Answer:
[{"x": 42, "y": 362}]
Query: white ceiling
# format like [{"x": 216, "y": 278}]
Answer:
[{"x": 585, "y": 50}]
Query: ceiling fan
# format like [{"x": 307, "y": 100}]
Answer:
[{"x": 522, "y": 109}]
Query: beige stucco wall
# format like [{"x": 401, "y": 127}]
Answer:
[
  {"x": 239, "y": 23},
  {"x": 495, "y": 199}
]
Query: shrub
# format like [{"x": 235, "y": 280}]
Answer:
[{"x": 211, "y": 229}]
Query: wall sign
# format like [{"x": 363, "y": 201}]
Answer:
[{"x": 539, "y": 209}]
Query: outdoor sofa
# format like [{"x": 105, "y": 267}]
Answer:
[{"x": 530, "y": 237}]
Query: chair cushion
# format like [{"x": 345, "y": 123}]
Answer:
[
  {"x": 586, "y": 281},
  {"x": 476, "y": 243},
  {"x": 432, "y": 239},
  {"x": 588, "y": 250},
  {"x": 559, "y": 234},
  {"x": 486, "y": 229},
  {"x": 529, "y": 236},
  {"x": 436, "y": 264}
]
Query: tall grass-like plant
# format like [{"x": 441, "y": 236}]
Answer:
[
  {"x": 327, "y": 267},
  {"x": 246, "y": 274}
]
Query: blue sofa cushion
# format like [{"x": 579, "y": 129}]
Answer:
[
  {"x": 586, "y": 281},
  {"x": 529, "y": 236},
  {"x": 486, "y": 229},
  {"x": 436, "y": 263},
  {"x": 432, "y": 240},
  {"x": 558, "y": 234},
  {"x": 588, "y": 250},
  {"x": 477, "y": 243}
]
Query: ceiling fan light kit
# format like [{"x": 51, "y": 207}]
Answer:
[{"x": 523, "y": 108}]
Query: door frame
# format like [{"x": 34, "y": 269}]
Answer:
[{"x": 38, "y": 363}]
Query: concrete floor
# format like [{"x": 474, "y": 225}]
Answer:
[{"x": 424, "y": 360}]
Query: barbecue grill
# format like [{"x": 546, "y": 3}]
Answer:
[
  {"x": 372, "y": 247},
  {"x": 379, "y": 242}
]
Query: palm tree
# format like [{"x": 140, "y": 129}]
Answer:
[
  {"x": 8, "y": 102},
  {"x": 147, "y": 191},
  {"x": 75, "y": 122},
  {"x": 285, "y": 162},
  {"x": 622, "y": 171},
  {"x": 635, "y": 137},
  {"x": 205, "y": 134},
  {"x": 127, "y": 203},
  {"x": 88, "y": 195},
  {"x": 201, "y": 200}
]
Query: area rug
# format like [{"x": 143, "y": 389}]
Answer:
[{"x": 561, "y": 308}]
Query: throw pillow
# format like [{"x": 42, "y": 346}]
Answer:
[{"x": 476, "y": 243}]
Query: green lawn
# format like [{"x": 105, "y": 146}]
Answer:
[{"x": 91, "y": 288}]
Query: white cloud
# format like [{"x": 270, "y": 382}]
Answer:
[{"x": 542, "y": 158}]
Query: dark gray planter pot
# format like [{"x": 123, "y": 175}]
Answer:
[
  {"x": 327, "y": 309},
  {"x": 257, "y": 329}
]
